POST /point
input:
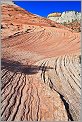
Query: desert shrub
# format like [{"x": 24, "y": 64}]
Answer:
[{"x": 64, "y": 23}]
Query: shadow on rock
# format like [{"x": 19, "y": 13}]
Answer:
[{"x": 16, "y": 66}]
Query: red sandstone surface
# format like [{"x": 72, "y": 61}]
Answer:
[{"x": 40, "y": 68}]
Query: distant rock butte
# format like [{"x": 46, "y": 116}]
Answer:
[{"x": 68, "y": 17}]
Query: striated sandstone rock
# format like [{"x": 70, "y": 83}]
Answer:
[
  {"x": 12, "y": 23},
  {"x": 41, "y": 78}
]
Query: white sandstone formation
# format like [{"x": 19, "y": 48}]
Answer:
[{"x": 66, "y": 17}]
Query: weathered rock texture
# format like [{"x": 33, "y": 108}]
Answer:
[{"x": 40, "y": 68}]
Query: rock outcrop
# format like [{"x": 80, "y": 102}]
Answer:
[
  {"x": 70, "y": 19},
  {"x": 40, "y": 67}
]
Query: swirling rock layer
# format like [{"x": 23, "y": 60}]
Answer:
[{"x": 40, "y": 70}]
